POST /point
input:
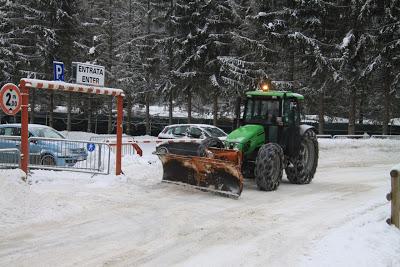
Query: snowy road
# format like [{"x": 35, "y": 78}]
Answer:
[{"x": 78, "y": 220}]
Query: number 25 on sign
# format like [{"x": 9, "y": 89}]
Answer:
[{"x": 10, "y": 99}]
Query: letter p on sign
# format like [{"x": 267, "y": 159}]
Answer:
[{"x": 58, "y": 71}]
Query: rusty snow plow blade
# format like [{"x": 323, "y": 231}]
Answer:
[{"x": 218, "y": 172}]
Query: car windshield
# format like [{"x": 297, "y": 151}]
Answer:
[
  {"x": 215, "y": 132},
  {"x": 46, "y": 133}
]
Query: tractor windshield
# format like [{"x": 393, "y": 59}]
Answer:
[{"x": 262, "y": 110}]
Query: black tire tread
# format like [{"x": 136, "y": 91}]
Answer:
[
  {"x": 296, "y": 174},
  {"x": 264, "y": 162}
]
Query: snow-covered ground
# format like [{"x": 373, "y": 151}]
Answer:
[{"x": 63, "y": 218}]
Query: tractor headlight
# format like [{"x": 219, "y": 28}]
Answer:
[{"x": 247, "y": 145}]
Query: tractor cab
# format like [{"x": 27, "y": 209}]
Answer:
[{"x": 278, "y": 113}]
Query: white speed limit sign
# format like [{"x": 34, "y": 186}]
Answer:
[{"x": 10, "y": 99}]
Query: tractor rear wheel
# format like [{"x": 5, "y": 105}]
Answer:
[
  {"x": 269, "y": 167},
  {"x": 209, "y": 142},
  {"x": 301, "y": 169}
]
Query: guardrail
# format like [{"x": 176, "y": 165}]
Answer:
[
  {"x": 394, "y": 197},
  {"x": 71, "y": 155},
  {"x": 10, "y": 158}
]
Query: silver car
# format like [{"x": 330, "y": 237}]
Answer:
[{"x": 197, "y": 131}]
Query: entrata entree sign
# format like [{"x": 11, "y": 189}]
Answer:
[
  {"x": 10, "y": 99},
  {"x": 90, "y": 74}
]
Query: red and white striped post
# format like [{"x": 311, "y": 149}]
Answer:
[
  {"x": 120, "y": 114},
  {"x": 24, "y": 127}
]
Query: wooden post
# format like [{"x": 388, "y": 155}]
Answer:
[
  {"x": 24, "y": 127},
  {"x": 120, "y": 114},
  {"x": 394, "y": 196}
]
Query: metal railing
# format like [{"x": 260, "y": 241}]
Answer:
[
  {"x": 396, "y": 137},
  {"x": 351, "y": 136},
  {"x": 10, "y": 158},
  {"x": 327, "y": 136},
  {"x": 394, "y": 196},
  {"x": 109, "y": 137},
  {"x": 71, "y": 155},
  {"x": 128, "y": 149}
]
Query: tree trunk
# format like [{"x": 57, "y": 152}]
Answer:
[
  {"x": 170, "y": 108},
  {"x": 386, "y": 108},
  {"x": 321, "y": 112},
  {"x": 148, "y": 126},
  {"x": 33, "y": 104},
  {"x": 292, "y": 66},
  {"x": 189, "y": 95},
  {"x": 237, "y": 111},
  {"x": 89, "y": 113},
  {"x": 352, "y": 112},
  {"x": 51, "y": 108},
  {"x": 69, "y": 110},
  {"x": 110, "y": 115},
  {"x": 361, "y": 109},
  {"x": 129, "y": 116},
  {"x": 215, "y": 109}
]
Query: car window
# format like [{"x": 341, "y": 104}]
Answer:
[
  {"x": 46, "y": 133},
  {"x": 169, "y": 131},
  {"x": 215, "y": 132},
  {"x": 17, "y": 132},
  {"x": 7, "y": 131},
  {"x": 195, "y": 132},
  {"x": 180, "y": 130}
]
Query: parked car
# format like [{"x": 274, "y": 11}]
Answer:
[
  {"x": 51, "y": 151},
  {"x": 191, "y": 131}
]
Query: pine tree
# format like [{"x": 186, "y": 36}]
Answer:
[
  {"x": 356, "y": 47},
  {"x": 386, "y": 60}
]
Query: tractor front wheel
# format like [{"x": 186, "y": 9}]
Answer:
[
  {"x": 269, "y": 167},
  {"x": 301, "y": 169}
]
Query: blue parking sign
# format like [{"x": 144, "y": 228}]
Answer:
[
  {"x": 91, "y": 147},
  {"x": 58, "y": 68}
]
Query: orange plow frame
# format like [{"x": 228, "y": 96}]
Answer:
[{"x": 218, "y": 172}]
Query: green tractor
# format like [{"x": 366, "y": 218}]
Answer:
[{"x": 270, "y": 140}]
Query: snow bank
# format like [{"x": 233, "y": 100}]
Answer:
[
  {"x": 77, "y": 135},
  {"x": 357, "y": 152},
  {"x": 20, "y": 204},
  {"x": 364, "y": 241}
]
